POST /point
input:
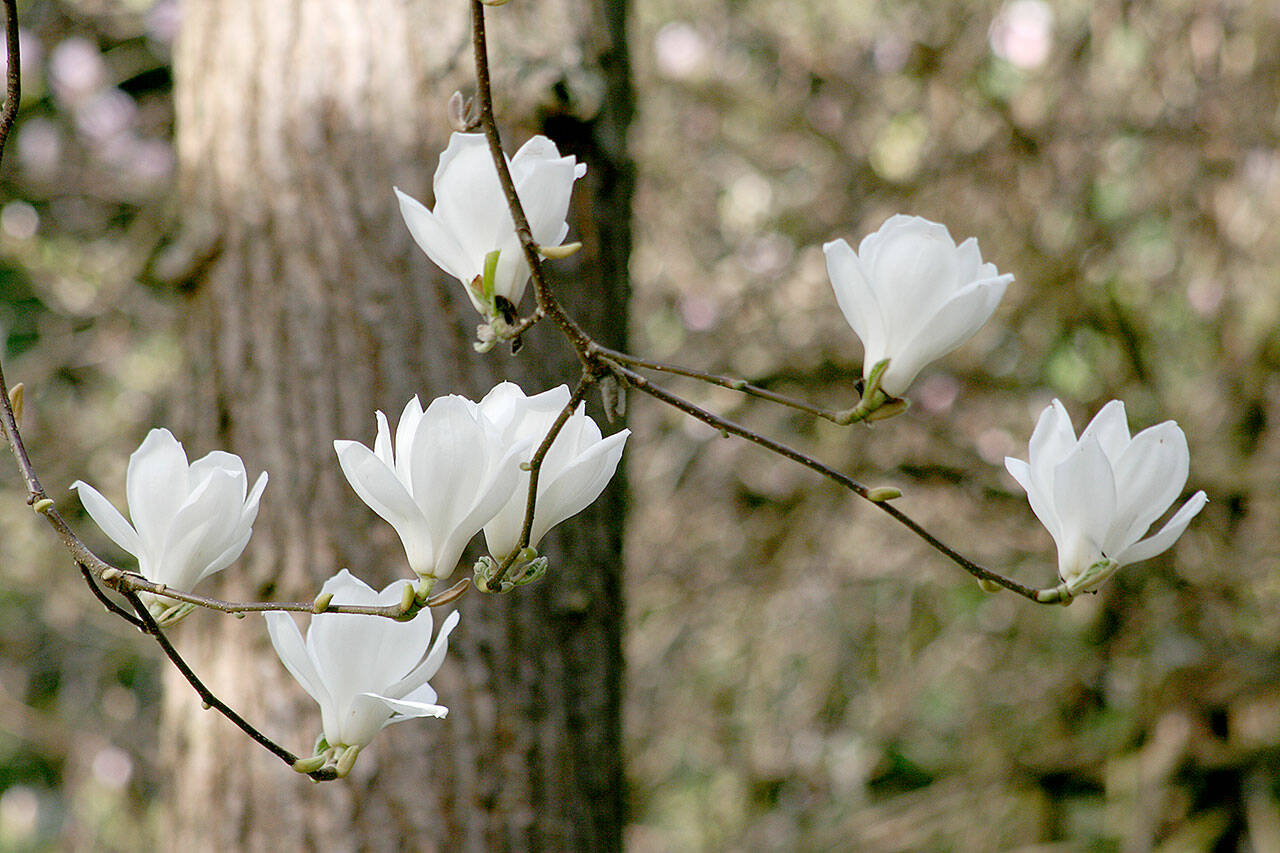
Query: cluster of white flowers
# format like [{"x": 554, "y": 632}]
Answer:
[
  {"x": 449, "y": 471},
  {"x": 458, "y": 467}
]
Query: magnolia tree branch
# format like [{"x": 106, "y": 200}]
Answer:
[{"x": 599, "y": 361}]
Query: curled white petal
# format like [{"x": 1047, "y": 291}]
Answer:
[
  {"x": 912, "y": 295},
  {"x": 575, "y": 470},
  {"x": 1098, "y": 495}
]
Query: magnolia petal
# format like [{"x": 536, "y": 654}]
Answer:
[
  {"x": 228, "y": 556},
  {"x": 424, "y": 694},
  {"x": 435, "y": 240},
  {"x": 1051, "y": 441},
  {"x": 545, "y": 192},
  {"x": 406, "y": 432},
  {"x": 383, "y": 493},
  {"x": 1041, "y": 503},
  {"x": 406, "y": 709},
  {"x": 913, "y": 273},
  {"x": 957, "y": 320},
  {"x": 358, "y": 653},
  {"x": 1150, "y": 474},
  {"x": 493, "y": 494},
  {"x": 409, "y": 686},
  {"x": 107, "y": 517},
  {"x": 969, "y": 265},
  {"x": 204, "y": 525},
  {"x": 249, "y": 514},
  {"x": 856, "y": 299},
  {"x": 507, "y": 407},
  {"x": 1111, "y": 427},
  {"x": 511, "y": 276},
  {"x": 156, "y": 485},
  {"x": 359, "y": 720},
  {"x": 1162, "y": 541},
  {"x": 1084, "y": 497},
  {"x": 292, "y": 651},
  {"x": 449, "y": 465},
  {"x": 382, "y": 442},
  {"x": 578, "y": 486},
  {"x": 218, "y": 460},
  {"x": 469, "y": 200}
]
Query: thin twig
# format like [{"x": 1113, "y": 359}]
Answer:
[
  {"x": 111, "y": 606},
  {"x": 122, "y": 581},
  {"x": 12, "y": 100},
  {"x": 150, "y": 626},
  {"x": 640, "y": 383},
  {"x": 596, "y": 359},
  {"x": 535, "y": 468},
  {"x": 838, "y": 416}
]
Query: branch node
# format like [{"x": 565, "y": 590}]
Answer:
[{"x": 42, "y": 505}]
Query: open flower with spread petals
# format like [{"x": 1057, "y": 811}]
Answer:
[
  {"x": 442, "y": 478},
  {"x": 912, "y": 295},
  {"x": 471, "y": 219},
  {"x": 189, "y": 521},
  {"x": 366, "y": 672},
  {"x": 574, "y": 472},
  {"x": 1098, "y": 494}
]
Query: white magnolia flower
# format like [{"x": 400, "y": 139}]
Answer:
[
  {"x": 471, "y": 218},
  {"x": 448, "y": 473},
  {"x": 365, "y": 671},
  {"x": 1098, "y": 494},
  {"x": 573, "y": 474},
  {"x": 189, "y": 521},
  {"x": 912, "y": 295}
]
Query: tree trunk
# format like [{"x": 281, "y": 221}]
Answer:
[{"x": 310, "y": 307}]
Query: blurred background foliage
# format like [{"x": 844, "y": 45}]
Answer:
[{"x": 803, "y": 673}]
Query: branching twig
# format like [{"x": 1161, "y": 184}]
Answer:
[{"x": 111, "y": 606}]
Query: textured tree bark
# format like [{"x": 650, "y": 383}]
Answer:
[{"x": 309, "y": 308}]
